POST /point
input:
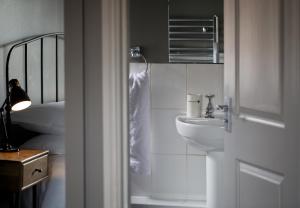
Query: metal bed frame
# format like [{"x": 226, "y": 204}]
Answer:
[{"x": 24, "y": 43}]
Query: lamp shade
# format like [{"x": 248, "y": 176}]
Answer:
[{"x": 19, "y": 99}]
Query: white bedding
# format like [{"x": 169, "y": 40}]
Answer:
[
  {"x": 44, "y": 118},
  {"x": 54, "y": 143}
]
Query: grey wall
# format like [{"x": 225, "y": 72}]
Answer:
[
  {"x": 149, "y": 22},
  {"x": 196, "y": 8},
  {"x": 20, "y": 19},
  {"x": 149, "y": 28}
]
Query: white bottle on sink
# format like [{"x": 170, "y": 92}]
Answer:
[{"x": 194, "y": 105}]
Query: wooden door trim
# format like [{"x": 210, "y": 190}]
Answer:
[{"x": 96, "y": 103}]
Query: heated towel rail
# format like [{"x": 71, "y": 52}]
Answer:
[{"x": 194, "y": 40}]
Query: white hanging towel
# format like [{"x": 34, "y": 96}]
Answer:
[{"x": 139, "y": 127}]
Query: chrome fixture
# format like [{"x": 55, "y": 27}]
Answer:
[
  {"x": 194, "y": 40},
  {"x": 216, "y": 57},
  {"x": 227, "y": 109},
  {"x": 209, "y": 109},
  {"x": 136, "y": 52}
]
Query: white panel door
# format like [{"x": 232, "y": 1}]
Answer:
[{"x": 262, "y": 76}]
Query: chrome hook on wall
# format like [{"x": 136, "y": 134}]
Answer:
[{"x": 136, "y": 52}]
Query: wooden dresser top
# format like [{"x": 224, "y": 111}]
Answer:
[{"x": 22, "y": 156}]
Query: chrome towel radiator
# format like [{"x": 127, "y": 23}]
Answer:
[{"x": 194, "y": 40}]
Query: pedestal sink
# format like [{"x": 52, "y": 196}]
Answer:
[{"x": 207, "y": 134}]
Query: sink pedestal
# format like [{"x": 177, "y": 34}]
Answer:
[
  {"x": 214, "y": 179},
  {"x": 208, "y": 135}
]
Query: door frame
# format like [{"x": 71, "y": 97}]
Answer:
[{"x": 96, "y": 57}]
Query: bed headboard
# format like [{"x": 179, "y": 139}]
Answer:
[{"x": 24, "y": 43}]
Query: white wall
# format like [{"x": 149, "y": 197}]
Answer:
[
  {"x": 178, "y": 169},
  {"x": 20, "y": 19}
]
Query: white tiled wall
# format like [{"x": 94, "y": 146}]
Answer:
[
  {"x": 165, "y": 139},
  {"x": 206, "y": 79},
  {"x": 168, "y": 86},
  {"x": 140, "y": 184},
  {"x": 169, "y": 176},
  {"x": 178, "y": 169}
]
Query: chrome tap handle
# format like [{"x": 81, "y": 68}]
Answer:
[
  {"x": 210, "y": 108},
  {"x": 210, "y": 96},
  {"x": 222, "y": 107}
]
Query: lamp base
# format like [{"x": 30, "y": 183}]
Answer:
[{"x": 8, "y": 148}]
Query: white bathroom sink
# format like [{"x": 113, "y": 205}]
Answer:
[{"x": 204, "y": 133}]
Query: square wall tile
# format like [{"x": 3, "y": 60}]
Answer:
[
  {"x": 191, "y": 150},
  {"x": 168, "y": 85},
  {"x": 196, "y": 177},
  {"x": 206, "y": 79},
  {"x": 165, "y": 138},
  {"x": 140, "y": 184},
  {"x": 169, "y": 176}
]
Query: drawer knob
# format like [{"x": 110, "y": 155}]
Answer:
[{"x": 38, "y": 170}]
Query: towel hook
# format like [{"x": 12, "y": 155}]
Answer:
[{"x": 136, "y": 52}]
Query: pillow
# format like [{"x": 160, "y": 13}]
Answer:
[
  {"x": 54, "y": 143},
  {"x": 45, "y": 118}
]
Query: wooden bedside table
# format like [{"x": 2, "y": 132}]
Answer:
[{"x": 22, "y": 170}]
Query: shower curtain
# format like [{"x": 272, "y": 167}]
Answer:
[{"x": 139, "y": 127}]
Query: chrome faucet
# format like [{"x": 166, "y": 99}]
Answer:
[{"x": 210, "y": 108}]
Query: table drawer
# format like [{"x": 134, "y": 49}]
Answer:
[{"x": 35, "y": 170}]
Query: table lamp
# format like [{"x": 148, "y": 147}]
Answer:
[{"x": 16, "y": 100}]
